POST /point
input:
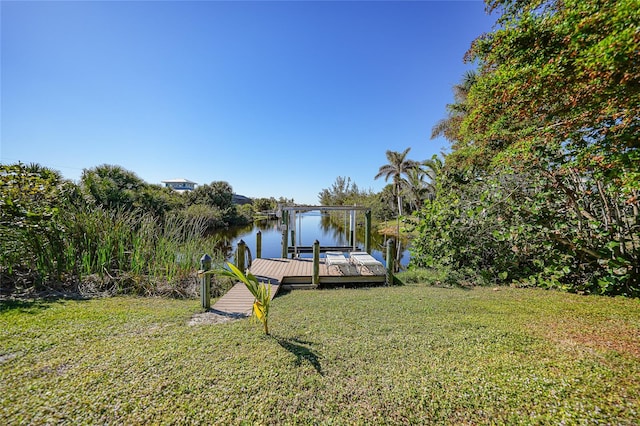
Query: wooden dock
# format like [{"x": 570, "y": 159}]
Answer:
[
  {"x": 297, "y": 273},
  {"x": 288, "y": 274}
]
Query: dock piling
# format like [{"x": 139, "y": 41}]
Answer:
[
  {"x": 259, "y": 245},
  {"x": 205, "y": 281},
  {"x": 315, "y": 279},
  {"x": 390, "y": 262},
  {"x": 240, "y": 255}
]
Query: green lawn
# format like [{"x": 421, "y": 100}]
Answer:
[{"x": 399, "y": 355}]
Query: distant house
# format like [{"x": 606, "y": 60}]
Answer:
[
  {"x": 180, "y": 185},
  {"x": 240, "y": 199}
]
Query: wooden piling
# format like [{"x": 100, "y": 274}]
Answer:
[
  {"x": 285, "y": 227},
  {"x": 315, "y": 278},
  {"x": 367, "y": 231},
  {"x": 205, "y": 281},
  {"x": 390, "y": 262},
  {"x": 240, "y": 255},
  {"x": 259, "y": 245}
]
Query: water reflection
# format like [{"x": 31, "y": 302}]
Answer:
[{"x": 309, "y": 227}]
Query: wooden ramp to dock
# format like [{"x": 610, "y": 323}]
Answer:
[
  {"x": 289, "y": 274},
  {"x": 238, "y": 302}
]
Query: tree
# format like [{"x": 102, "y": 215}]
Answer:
[
  {"x": 552, "y": 124},
  {"x": 264, "y": 204},
  {"x": 398, "y": 165},
  {"x": 218, "y": 194},
  {"x": 111, "y": 186},
  {"x": 31, "y": 199},
  {"x": 30, "y": 194},
  {"x": 560, "y": 75},
  {"x": 213, "y": 203},
  {"x": 432, "y": 169},
  {"x": 414, "y": 187},
  {"x": 341, "y": 192},
  {"x": 386, "y": 205},
  {"x": 449, "y": 127},
  {"x": 419, "y": 184}
]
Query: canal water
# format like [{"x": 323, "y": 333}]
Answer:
[{"x": 309, "y": 227}]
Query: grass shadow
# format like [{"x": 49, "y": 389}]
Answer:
[
  {"x": 303, "y": 352},
  {"x": 33, "y": 302},
  {"x": 282, "y": 292}
]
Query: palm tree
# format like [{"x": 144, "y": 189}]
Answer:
[
  {"x": 432, "y": 168},
  {"x": 449, "y": 127},
  {"x": 420, "y": 181},
  {"x": 44, "y": 172},
  {"x": 397, "y": 167},
  {"x": 415, "y": 187}
]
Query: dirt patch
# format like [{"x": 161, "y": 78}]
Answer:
[
  {"x": 214, "y": 317},
  {"x": 613, "y": 335},
  {"x": 8, "y": 357}
]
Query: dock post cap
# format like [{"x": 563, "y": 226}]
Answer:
[{"x": 205, "y": 262}]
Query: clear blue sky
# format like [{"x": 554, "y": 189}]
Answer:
[{"x": 275, "y": 98}]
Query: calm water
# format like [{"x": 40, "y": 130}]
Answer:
[{"x": 310, "y": 226}]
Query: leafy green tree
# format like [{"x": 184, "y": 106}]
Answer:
[
  {"x": 218, "y": 199},
  {"x": 30, "y": 194},
  {"x": 264, "y": 204},
  {"x": 218, "y": 194},
  {"x": 158, "y": 200},
  {"x": 111, "y": 186},
  {"x": 489, "y": 230},
  {"x": 31, "y": 199},
  {"x": 551, "y": 125},
  {"x": 342, "y": 192},
  {"x": 385, "y": 206},
  {"x": 559, "y": 76},
  {"x": 286, "y": 201},
  {"x": 398, "y": 166}
]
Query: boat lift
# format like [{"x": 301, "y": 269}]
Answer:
[{"x": 287, "y": 215}]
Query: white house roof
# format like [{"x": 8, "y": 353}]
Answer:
[{"x": 179, "y": 181}]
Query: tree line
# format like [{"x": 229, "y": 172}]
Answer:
[
  {"x": 412, "y": 182},
  {"x": 110, "y": 232}
]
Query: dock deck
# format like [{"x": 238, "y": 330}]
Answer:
[{"x": 288, "y": 274}]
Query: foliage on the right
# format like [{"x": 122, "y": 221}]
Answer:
[{"x": 542, "y": 183}]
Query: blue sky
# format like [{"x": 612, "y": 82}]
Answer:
[{"x": 275, "y": 98}]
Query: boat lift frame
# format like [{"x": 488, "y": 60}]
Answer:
[{"x": 287, "y": 215}]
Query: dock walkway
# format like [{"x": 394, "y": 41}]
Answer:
[{"x": 288, "y": 274}]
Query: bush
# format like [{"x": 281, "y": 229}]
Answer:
[
  {"x": 209, "y": 217},
  {"x": 441, "y": 276},
  {"x": 506, "y": 227}
]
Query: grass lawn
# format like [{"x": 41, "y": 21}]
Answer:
[{"x": 399, "y": 355}]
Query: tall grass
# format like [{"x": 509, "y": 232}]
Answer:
[{"x": 114, "y": 251}]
